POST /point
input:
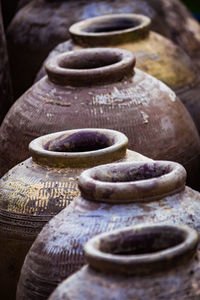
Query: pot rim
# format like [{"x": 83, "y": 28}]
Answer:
[
  {"x": 93, "y": 66},
  {"x": 79, "y": 159},
  {"x": 82, "y": 34},
  {"x": 94, "y": 188},
  {"x": 145, "y": 263}
]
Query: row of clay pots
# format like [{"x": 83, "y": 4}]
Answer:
[
  {"x": 42, "y": 24},
  {"x": 100, "y": 88},
  {"x": 114, "y": 196},
  {"x": 97, "y": 88},
  {"x": 37, "y": 189},
  {"x": 167, "y": 63},
  {"x": 141, "y": 262},
  {"x": 154, "y": 54}
]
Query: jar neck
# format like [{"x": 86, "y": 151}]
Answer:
[
  {"x": 96, "y": 66},
  {"x": 79, "y": 148},
  {"x": 134, "y": 182},
  {"x": 142, "y": 250},
  {"x": 110, "y": 30}
]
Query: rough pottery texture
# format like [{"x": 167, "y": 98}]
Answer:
[
  {"x": 6, "y": 99},
  {"x": 37, "y": 189},
  {"x": 140, "y": 263},
  {"x": 41, "y": 25},
  {"x": 112, "y": 196},
  {"x": 154, "y": 54},
  {"x": 99, "y": 87}
]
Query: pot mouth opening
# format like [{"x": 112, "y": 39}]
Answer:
[
  {"x": 110, "y": 25},
  {"x": 93, "y": 66},
  {"x": 87, "y": 62},
  {"x": 79, "y": 147},
  {"x": 142, "y": 242},
  {"x": 132, "y": 26},
  {"x": 132, "y": 182},
  {"x": 79, "y": 142},
  {"x": 132, "y": 173},
  {"x": 143, "y": 248}
]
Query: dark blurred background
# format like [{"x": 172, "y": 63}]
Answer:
[{"x": 194, "y": 7}]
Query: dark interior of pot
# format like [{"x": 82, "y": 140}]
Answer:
[
  {"x": 86, "y": 61},
  {"x": 126, "y": 173},
  {"x": 143, "y": 241},
  {"x": 109, "y": 25},
  {"x": 79, "y": 142}
]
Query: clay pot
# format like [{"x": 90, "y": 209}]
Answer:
[
  {"x": 141, "y": 262},
  {"x": 40, "y": 187},
  {"x": 112, "y": 196},
  {"x": 6, "y": 97},
  {"x": 99, "y": 88},
  {"x": 154, "y": 54},
  {"x": 41, "y": 25}
]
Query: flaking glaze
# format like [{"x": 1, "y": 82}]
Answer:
[
  {"x": 112, "y": 196},
  {"x": 141, "y": 263},
  {"x": 99, "y": 87},
  {"x": 154, "y": 54},
  {"x": 42, "y": 24},
  {"x": 37, "y": 189}
]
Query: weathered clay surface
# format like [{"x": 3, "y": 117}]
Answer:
[
  {"x": 154, "y": 54},
  {"x": 146, "y": 110},
  {"x": 37, "y": 189},
  {"x": 58, "y": 249},
  {"x": 171, "y": 273},
  {"x": 42, "y": 24},
  {"x": 6, "y": 99}
]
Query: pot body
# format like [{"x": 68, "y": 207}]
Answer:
[
  {"x": 91, "y": 284},
  {"x": 32, "y": 33},
  {"x": 6, "y": 99},
  {"x": 160, "y": 129},
  {"x": 31, "y": 194},
  {"x": 158, "y": 57},
  {"x": 58, "y": 250}
]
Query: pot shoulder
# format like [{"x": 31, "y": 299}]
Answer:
[
  {"x": 90, "y": 284},
  {"x": 36, "y": 190}
]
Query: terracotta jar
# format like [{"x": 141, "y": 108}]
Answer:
[
  {"x": 6, "y": 97},
  {"x": 99, "y": 87},
  {"x": 112, "y": 196},
  {"x": 141, "y": 262},
  {"x": 42, "y": 24},
  {"x": 154, "y": 54},
  {"x": 38, "y": 188}
]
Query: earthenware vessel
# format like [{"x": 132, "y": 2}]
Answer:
[
  {"x": 6, "y": 97},
  {"x": 99, "y": 87},
  {"x": 141, "y": 262},
  {"x": 41, "y": 25},
  {"x": 112, "y": 196},
  {"x": 38, "y": 188},
  {"x": 154, "y": 54}
]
